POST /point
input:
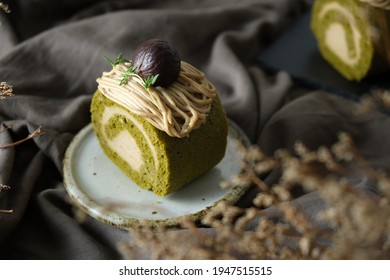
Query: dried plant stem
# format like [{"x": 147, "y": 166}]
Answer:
[
  {"x": 6, "y": 91},
  {"x": 4, "y": 8},
  {"x": 35, "y": 133},
  {"x": 5, "y": 129}
]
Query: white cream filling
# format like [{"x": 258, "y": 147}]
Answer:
[
  {"x": 126, "y": 147},
  {"x": 335, "y": 35},
  {"x": 124, "y": 143}
]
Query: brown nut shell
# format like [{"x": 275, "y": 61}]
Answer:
[{"x": 156, "y": 56}]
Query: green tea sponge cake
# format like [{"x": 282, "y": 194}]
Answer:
[
  {"x": 161, "y": 133},
  {"x": 353, "y": 35}
]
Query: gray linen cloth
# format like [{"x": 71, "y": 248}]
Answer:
[{"x": 52, "y": 52}]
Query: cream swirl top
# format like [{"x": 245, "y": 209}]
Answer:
[
  {"x": 383, "y": 4},
  {"x": 177, "y": 109}
]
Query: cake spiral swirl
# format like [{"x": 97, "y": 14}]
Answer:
[
  {"x": 383, "y": 4},
  {"x": 344, "y": 36}
]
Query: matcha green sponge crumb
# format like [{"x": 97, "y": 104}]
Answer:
[
  {"x": 343, "y": 33},
  {"x": 353, "y": 36},
  {"x": 151, "y": 158}
]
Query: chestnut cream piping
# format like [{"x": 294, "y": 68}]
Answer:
[{"x": 177, "y": 109}]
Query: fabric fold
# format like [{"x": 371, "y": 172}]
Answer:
[{"x": 53, "y": 68}]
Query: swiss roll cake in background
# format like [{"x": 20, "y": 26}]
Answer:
[{"x": 353, "y": 35}]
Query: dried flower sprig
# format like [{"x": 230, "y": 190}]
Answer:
[
  {"x": 6, "y": 90},
  {"x": 355, "y": 223},
  {"x": 4, "y": 187},
  {"x": 35, "y": 133},
  {"x": 4, "y": 8},
  {"x": 377, "y": 99}
]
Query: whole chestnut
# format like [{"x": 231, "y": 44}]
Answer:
[{"x": 156, "y": 56}]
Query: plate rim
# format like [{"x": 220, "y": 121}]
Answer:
[{"x": 86, "y": 204}]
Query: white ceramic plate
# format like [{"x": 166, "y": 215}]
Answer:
[{"x": 100, "y": 189}]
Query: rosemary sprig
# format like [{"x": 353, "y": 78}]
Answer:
[
  {"x": 149, "y": 81},
  {"x": 127, "y": 74},
  {"x": 120, "y": 59}
]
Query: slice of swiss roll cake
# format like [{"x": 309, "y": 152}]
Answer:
[
  {"x": 158, "y": 118},
  {"x": 353, "y": 35}
]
